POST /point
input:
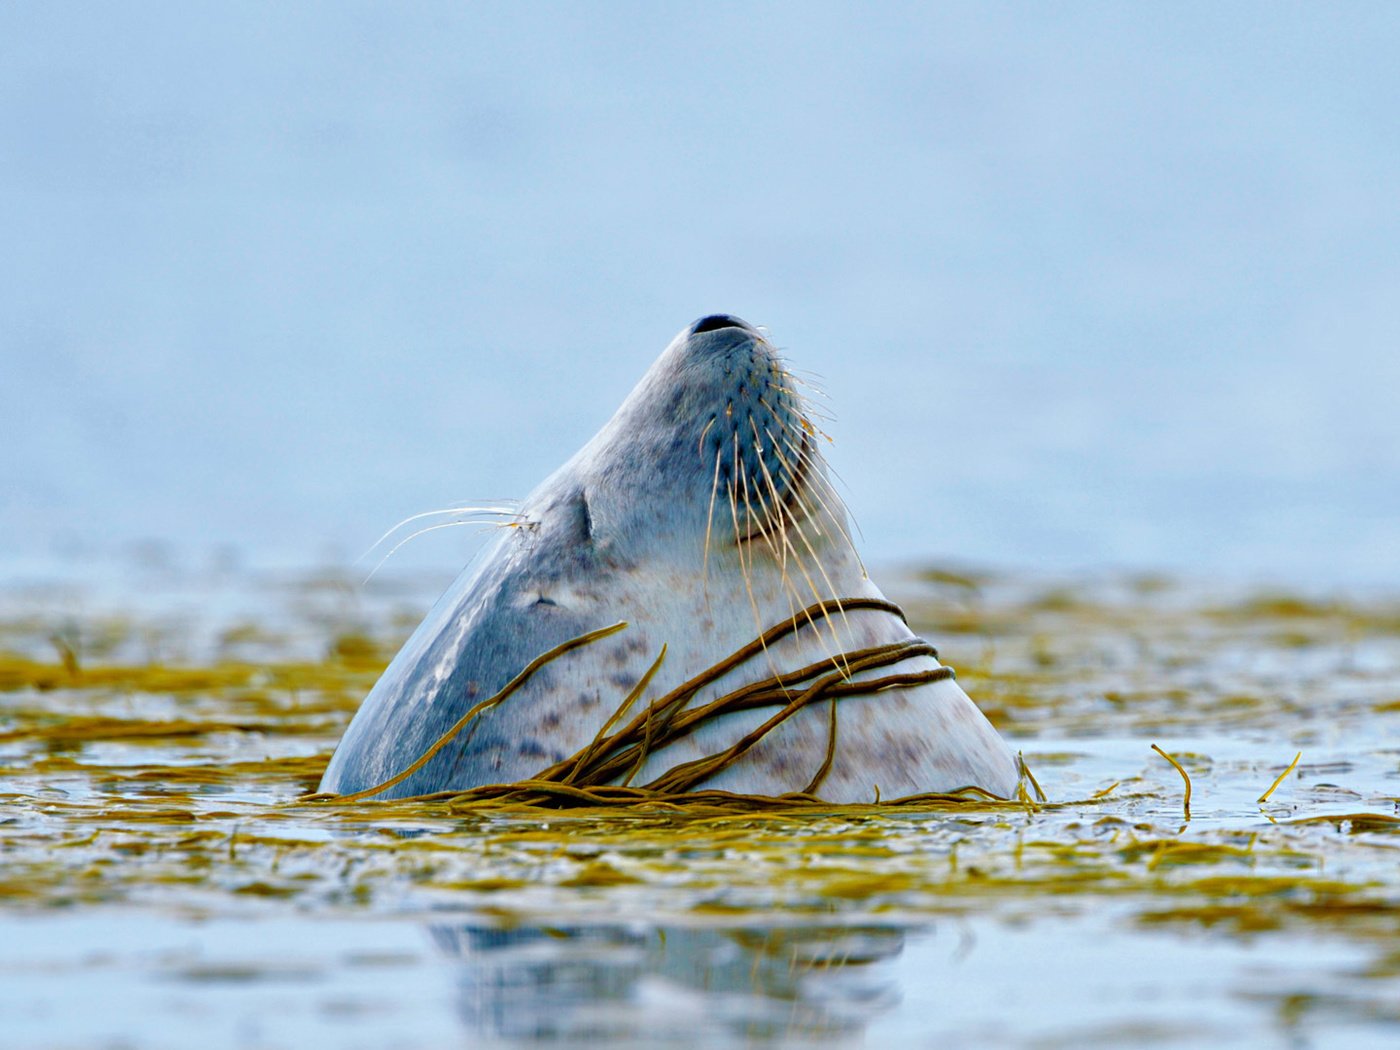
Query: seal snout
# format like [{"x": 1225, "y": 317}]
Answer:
[{"x": 715, "y": 322}]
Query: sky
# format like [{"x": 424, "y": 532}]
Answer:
[{"x": 1089, "y": 286}]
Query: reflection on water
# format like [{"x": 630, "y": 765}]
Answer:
[
  {"x": 568, "y": 983},
  {"x": 152, "y": 868}
]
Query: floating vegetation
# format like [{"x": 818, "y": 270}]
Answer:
[
  {"x": 1186, "y": 799},
  {"x": 154, "y": 762},
  {"x": 1281, "y": 778},
  {"x": 601, "y": 773}
]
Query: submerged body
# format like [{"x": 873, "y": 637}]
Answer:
[{"x": 701, "y": 515}]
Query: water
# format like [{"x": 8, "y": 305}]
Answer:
[
  {"x": 156, "y": 870},
  {"x": 146, "y": 980},
  {"x": 1087, "y": 287},
  {"x": 1093, "y": 292}
]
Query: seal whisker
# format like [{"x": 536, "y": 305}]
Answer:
[
  {"x": 709, "y": 526},
  {"x": 836, "y": 510},
  {"x": 745, "y": 565},
  {"x": 773, "y": 514},
  {"x": 780, "y": 511},
  {"x": 756, "y": 525},
  {"x": 829, "y": 469},
  {"x": 837, "y": 518},
  {"x": 765, "y": 525},
  {"x": 809, "y": 469},
  {"x": 836, "y": 654},
  {"x": 803, "y": 407},
  {"x": 433, "y": 528},
  {"x": 811, "y": 399},
  {"x": 464, "y": 509},
  {"x": 808, "y": 374},
  {"x": 803, "y": 498},
  {"x": 700, "y": 444},
  {"x": 786, "y": 583},
  {"x": 809, "y": 380}
]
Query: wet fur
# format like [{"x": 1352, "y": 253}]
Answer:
[{"x": 701, "y": 514}]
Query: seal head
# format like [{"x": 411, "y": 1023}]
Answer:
[{"x": 701, "y": 514}]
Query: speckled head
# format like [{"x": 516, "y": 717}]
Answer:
[
  {"x": 712, "y": 449},
  {"x": 700, "y": 515}
]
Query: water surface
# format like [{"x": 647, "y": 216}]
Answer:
[{"x": 155, "y": 867}]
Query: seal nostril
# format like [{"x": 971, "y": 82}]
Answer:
[{"x": 714, "y": 322}]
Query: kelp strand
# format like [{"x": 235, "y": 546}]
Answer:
[{"x": 587, "y": 777}]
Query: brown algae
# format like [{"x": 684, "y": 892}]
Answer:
[{"x": 172, "y": 784}]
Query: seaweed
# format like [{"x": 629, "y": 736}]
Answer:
[{"x": 600, "y": 773}]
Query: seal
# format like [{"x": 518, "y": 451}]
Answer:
[{"x": 701, "y": 514}]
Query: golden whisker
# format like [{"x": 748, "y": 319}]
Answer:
[
  {"x": 818, "y": 479},
  {"x": 709, "y": 523},
  {"x": 811, "y": 584}
]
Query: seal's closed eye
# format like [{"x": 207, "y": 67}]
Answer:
[
  {"x": 585, "y": 517},
  {"x": 714, "y": 322}
]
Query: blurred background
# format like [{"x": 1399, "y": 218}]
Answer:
[{"x": 1091, "y": 286}]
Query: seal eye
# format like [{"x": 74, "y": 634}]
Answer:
[
  {"x": 714, "y": 322},
  {"x": 585, "y": 517}
]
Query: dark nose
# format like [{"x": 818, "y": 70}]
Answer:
[{"x": 714, "y": 322}]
